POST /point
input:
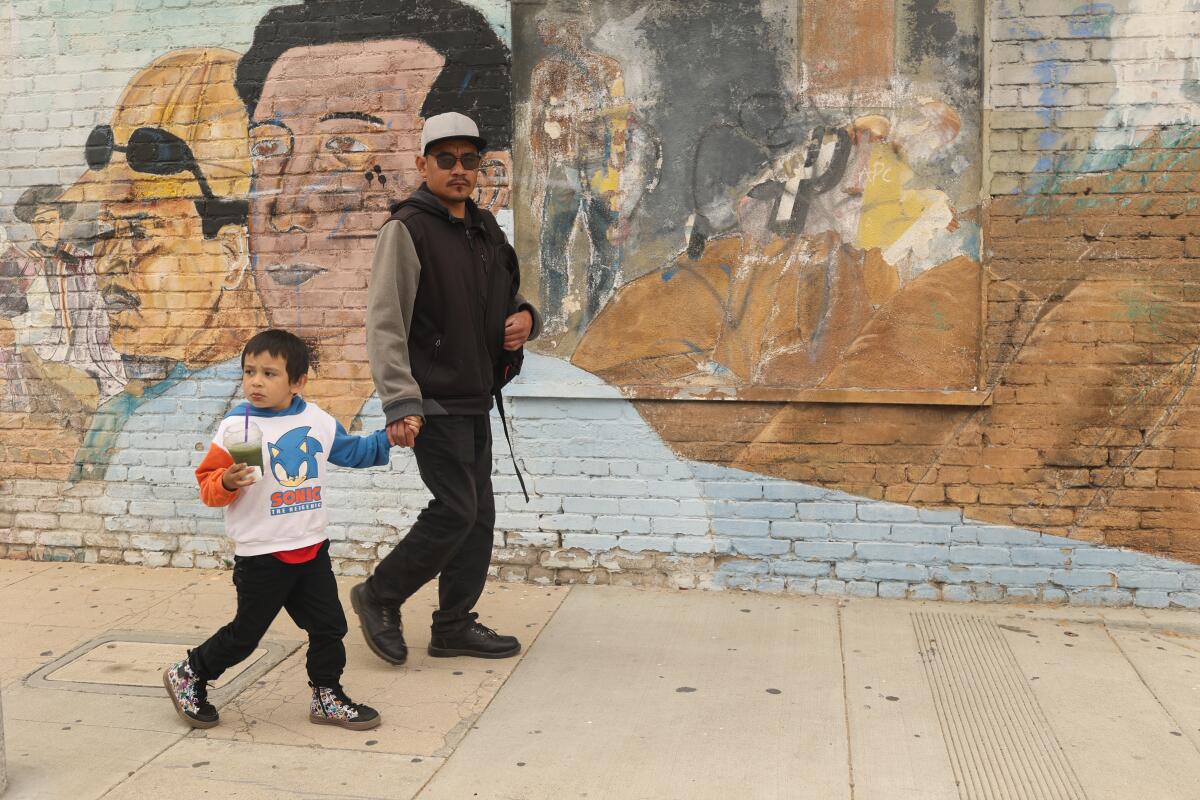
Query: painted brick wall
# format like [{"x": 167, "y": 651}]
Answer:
[{"x": 1049, "y": 452}]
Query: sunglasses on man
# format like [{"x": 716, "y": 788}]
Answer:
[
  {"x": 446, "y": 161},
  {"x": 158, "y": 152},
  {"x": 150, "y": 150}
]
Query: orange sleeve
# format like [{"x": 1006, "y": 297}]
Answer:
[{"x": 209, "y": 474}]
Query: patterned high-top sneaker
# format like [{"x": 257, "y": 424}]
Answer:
[
  {"x": 331, "y": 706},
  {"x": 190, "y": 696}
]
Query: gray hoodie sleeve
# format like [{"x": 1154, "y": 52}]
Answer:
[{"x": 395, "y": 273}]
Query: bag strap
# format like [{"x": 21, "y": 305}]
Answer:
[{"x": 504, "y": 424}]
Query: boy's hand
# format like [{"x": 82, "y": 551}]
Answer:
[
  {"x": 237, "y": 477},
  {"x": 517, "y": 329},
  {"x": 403, "y": 432}
]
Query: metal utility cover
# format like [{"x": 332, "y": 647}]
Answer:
[{"x": 132, "y": 662}]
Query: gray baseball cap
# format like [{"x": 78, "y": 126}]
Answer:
[{"x": 450, "y": 125}]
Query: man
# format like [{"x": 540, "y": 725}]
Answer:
[
  {"x": 335, "y": 116},
  {"x": 443, "y": 309},
  {"x": 63, "y": 326},
  {"x": 172, "y": 259}
]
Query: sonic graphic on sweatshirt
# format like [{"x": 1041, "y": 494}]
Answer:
[
  {"x": 294, "y": 461},
  {"x": 294, "y": 457}
]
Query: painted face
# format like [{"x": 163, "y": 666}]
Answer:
[
  {"x": 265, "y": 381},
  {"x": 159, "y": 277},
  {"x": 922, "y": 132},
  {"x": 452, "y": 183},
  {"x": 333, "y": 141},
  {"x": 47, "y": 227}
]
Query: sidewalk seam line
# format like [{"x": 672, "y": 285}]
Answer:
[
  {"x": 145, "y": 764},
  {"x": 1154, "y": 694},
  {"x": 846, "y": 704},
  {"x": 524, "y": 652},
  {"x": 29, "y": 576}
]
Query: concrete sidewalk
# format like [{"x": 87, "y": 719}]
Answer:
[{"x": 620, "y": 694}]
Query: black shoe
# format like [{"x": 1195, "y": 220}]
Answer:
[
  {"x": 331, "y": 706},
  {"x": 474, "y": 640},
  {"x": 190, "y": 696},
  {"x": 380, "y": 625}
]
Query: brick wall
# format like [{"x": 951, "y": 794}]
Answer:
[{"x": 1014, "y": 422}]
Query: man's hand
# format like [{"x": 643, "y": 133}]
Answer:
[
  {"x": 403, "y": 432},
  {"x": 517, "y": 329},
  {"x": 237, "y": 477}
]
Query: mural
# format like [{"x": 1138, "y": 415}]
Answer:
[
  {"x": 333, "y": 148},
  {"x": 592, "y": 160},
  {"x": 820, "y": 231},
  {"x": 169, "y": 177},
  {"x": 56, "y": 330},
  {"x": 214, "y": 173},
  {"x": 768, "y": 200}
]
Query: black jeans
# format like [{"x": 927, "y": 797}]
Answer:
[
  {"x": 453, "y": 534},
  {"x": 264, "y": 586}
]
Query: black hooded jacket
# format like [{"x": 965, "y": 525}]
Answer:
[{"x": 441, "y": 289}]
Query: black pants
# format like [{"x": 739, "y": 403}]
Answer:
[
  {"x": 264, "y": 586},
  {"x": 453, "y": 534}
]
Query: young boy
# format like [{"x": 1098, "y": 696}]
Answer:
[{"x": 277, "y": 523}]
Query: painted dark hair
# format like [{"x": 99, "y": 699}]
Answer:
[
  {"x": 475, "y": 81},
  {"x": 281, "y": 344}
]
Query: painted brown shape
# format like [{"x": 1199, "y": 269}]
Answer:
[
  {"x": 924, "y": 337},
  {"x": 1094, "y": 346},
  {"x": 833, "y": 65}
]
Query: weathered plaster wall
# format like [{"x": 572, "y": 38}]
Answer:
[
  {"x": 1090, "y": 341},
  {"x": 924, "y": 276}
]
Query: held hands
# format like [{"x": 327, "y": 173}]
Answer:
[
  {"x": 238, "y": 476},
  {"x": 403, "y": 432},
  {"x": 517, "y": 329}
]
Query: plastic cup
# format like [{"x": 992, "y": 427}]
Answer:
[{"x": 244, "y": 443}]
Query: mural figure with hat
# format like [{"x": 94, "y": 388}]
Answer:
[
  {"x": 334, "y": 147},
  {"x": 56, "y": 322},
  {"x": 171, "y": 175},
  {"x": 593, "y": 159}
]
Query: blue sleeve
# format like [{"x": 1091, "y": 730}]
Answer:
[{"x": 372, "y": 450}]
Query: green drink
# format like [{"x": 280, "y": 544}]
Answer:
[
  {"x": 248, "y": 453},
  {"x": 244, "y": 443}
]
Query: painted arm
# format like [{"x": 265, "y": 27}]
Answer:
[
  {"x": 539, "y": 101},
  {"x": 372, "y": 450},
  {"x": 643, "y": 162},
  {"x": 39, "y": 323}
]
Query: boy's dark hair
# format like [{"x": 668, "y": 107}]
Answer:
[{"x": 281, "y": 344}]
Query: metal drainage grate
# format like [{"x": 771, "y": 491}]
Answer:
[
  {"x": 1000, "y": 743},
  {"x": 132, "y": 662}
]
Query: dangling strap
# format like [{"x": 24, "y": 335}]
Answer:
[{"x": 511, "y": 452}]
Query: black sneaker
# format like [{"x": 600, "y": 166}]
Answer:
[
  {"x": 331, "y": 706},
  {"x": 380, "y": 625},
  {"x": 190, "y": 696},
  {"x": 474, "y": 640}
]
